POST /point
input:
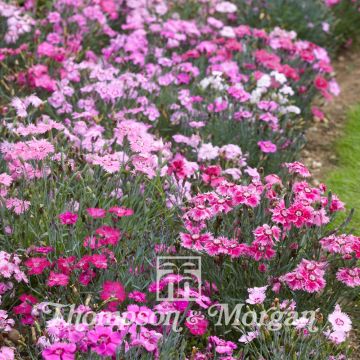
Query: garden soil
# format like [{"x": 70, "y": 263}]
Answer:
[{"x": 319, "y": 153}]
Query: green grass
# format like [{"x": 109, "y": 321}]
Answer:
[{"x": 345, "y": 179}]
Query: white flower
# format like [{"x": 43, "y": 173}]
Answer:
[
  {"x": 246, "y": 338},
  {"x": 281, "y": 78},
  {"x": 216, "y": 82},
  {"x": 292, "y": 109},
  {"x": 256, "y": 95},
  {"x": 287, "y": 90},
  {"x": 228, "y": 31},
  {"x": 226, "y": 7},
  {"x": 264, "y": 81},
  {"x": 208, "y": 152}
]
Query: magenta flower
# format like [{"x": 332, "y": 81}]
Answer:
[
  {"x": 349, "y": 276},
  {"x": 121, "y": 211},
  {"x": 222, "y": 346},
  {"x": 196, "y": 323},
  {"x": 68, "y": 218},
  {"x": 104, "y": 341},
  {"x": 307, "y": 276},
  {"x": 115, "y": 290},
  {"x": 147, "y": 338},
  {"x": 137, "y": 296},
  {"x": 297, "y": 168},
  {"x": 59, "y": 351},
  {"x": 36, "y": 265},
  {"x": 96, "y": 213},
  {"x": 56, "y": 279},
  {"x": 267, "y": 147}
]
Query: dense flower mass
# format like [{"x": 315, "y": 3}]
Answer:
[{"x": 136, "y": 131}]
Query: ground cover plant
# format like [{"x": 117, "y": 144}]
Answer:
[{"x": 137, "y": 129}]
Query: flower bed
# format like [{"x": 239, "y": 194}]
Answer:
[{"x": 137, "y": 131}]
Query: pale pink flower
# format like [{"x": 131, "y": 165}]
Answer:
[
  {"x": 339, "y": 320},
  {"x": 256, "y": 295},
  {"x": 17, "y": 205}
]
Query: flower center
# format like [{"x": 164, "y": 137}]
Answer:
[
  {"x": 339, "y": 322},
  {"x": 283, "y": 213},
  {"x": 310, "y": 266},
  {"x": 103, "y": 339}
]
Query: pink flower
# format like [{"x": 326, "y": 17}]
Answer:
[
  {"x": 56, "y": 279},
  {"x": 303, "y": 190},
  {"x": 341, "y": 244},
  {"x": 7, "y": 353},
  {"x": 267, "y": 147},
  {"x": 181, "y": 168},
  {"x": 332, "y": 2},
  {"x": 96, "y": 213},
  {"x": 109, "y": 7},
  {"x": 266, "y": 233},
  {"x": 349, "y": 276},
  {"x": 36, "y": 265},
  {"x": 250, "y": 336},
  {"x": 299, "y": 214},
  {"x": 222, "y": 346},
  {"x": 317, "y": 113},
  {"x": 68, "y": 218},
  {"x": 99, "y": 261},
  {"x": 137, "y": 296},
  {"x": 308, "y": 276},
  {"x": 140, "y": 315},
  {"x": 200, "y": 212},
  {"x": 321, "y": 83},
  {"x": 337, "y": 337},
  {"x": 106, "y": 235},
  {"x": 262, "y": 249},
  {"x": 5, "y": 179},
  {"x": 212, "y": 175},
  {"x": 121, "y": 211},
  {"x": 114, "y": 290},
  {"x": 256, "y": 295},
  {"x": 17, "y": 205},
  {"x": 238, "y": 93},
  {"x": 59, "y": 351},
  {"x": 208, "y": 152},
  {"x": 339, "y": 320},
  {"x": 298, "y": 168},
  {"x": 246, "y": 195},
  {"x": 147, "y": 338},
  {"x": 196, "y": 323},
  {"x": 104, "y": 341},
  {"x": 195, "y": 241},
  {"x": 27, "y": 302}
]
